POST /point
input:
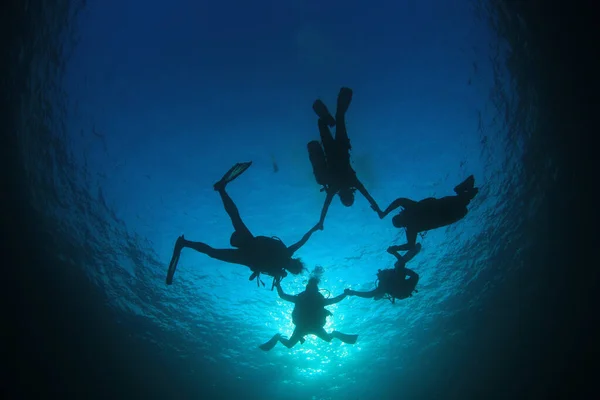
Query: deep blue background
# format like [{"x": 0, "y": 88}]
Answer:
[
  {"x": 162, "y": 98},
  {"x": 168, "y": 96}
]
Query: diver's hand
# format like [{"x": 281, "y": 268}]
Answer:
[{"x": 378, "y": 211}]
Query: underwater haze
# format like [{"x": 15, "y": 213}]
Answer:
[{"x": 135, "y": 109}]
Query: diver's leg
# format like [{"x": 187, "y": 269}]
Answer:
[
  {"x": 343, "y": 102},
  {"x": 271, "y": 343},
  {"x": 326, "y": 139},
  {"x": 241, "y": 231},
  {"x": 349, "y": 339},
  {"x": 323, "y": 113},
  {"x": 232, "y": 256},
  {"x": 322, "y": 334},
  {"x": 296, "y": 337}
]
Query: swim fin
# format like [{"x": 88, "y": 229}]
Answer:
[
  {"x": 175, "y": 259},
  {"x": 321, "y": 110},
  {"x": 349, "y": 339},
  {"x": 271, "y": 343},
  {"x": 234, "y": 172},
  {"x": 343, "y": 101}
]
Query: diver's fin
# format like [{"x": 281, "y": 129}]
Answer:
[
  {"x": 349, "y": 339},
  {"x": 233, "y": 173},
  {"x": 175, "y": 259},
  {"x": 321, "y": 110},
  {"x": 270, "y": 344},
  {"x": 343, "y": 101}
]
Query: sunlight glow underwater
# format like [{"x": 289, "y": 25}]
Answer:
[{"x": 312, "y": 349}]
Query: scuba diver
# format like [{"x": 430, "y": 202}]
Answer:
[
  {"x": 262, "y": 254},
  {"x": 330, "y": 158},
  {"x": 309, "y": 316},
  {"x": 430, "y": 213},
  {"x": 392, "y": 282}
]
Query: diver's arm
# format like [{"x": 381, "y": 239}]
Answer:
[
  {"x": 411, "y": 238},
  {"x": 413, "y": 252},
  {"x": 294, "y": 248},
  {"x": 361, "y": 188},
  {"x": 284, "y": 296},
  {"x": 337, "y": 299},
  {"x": 400, "y": 202},
  {"x": 411, "y": 274},
  {"x": 328, "y": 199},
  {"x": 393, "y": 250}
]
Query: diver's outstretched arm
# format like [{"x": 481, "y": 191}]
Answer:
[
  {"x": 377, "y": 292},
  {"x": 411, "y": 238},
  {"x": 361, "y": 188},
  {"x": 411, "y": 274},
  {"x": 337, "y": 299},
  {"x": 412, "y": 253},
  {"x": 409, "y": 255},
  {"x": 284, "y": 296},
  {"x": 328, "y": 199},
  {"x": 393, "y": 250},
  {"x": 400, "y": 202},
  {"x": 294, "y": 248}
]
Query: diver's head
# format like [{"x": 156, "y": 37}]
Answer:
[
  {"x": 313, "y": 284},
  {"x": 346, "y": 196},
  {"x": 400, "y": 220},
  {"x": 295, "y": 266}
]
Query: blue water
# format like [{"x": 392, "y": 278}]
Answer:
[{"x": 161, "y": 98}]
